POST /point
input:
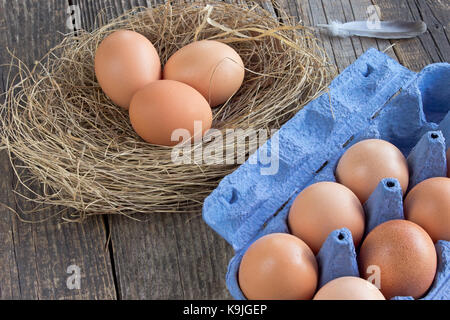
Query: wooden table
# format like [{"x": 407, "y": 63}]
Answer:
[{"x": 171, "y": 256}]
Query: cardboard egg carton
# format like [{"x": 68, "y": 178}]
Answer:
[{"x": 375, "y": 97}]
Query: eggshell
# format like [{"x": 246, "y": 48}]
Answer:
[
  {"x": 213, "y": 68},
  {"x": 405, "y": 256},
  {"x": 367, "y": 162},
  {"x": 349, "y": 288},
  {"x": 165, "y": 105},
  {"x": 428, "y": 205},
  {"x": 323, "y": 207},
  {"x": 125, "y": 61},
  {"x": 278, "y": 266}
]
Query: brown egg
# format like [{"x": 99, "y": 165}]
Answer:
[
  {"x": 349, "y": 288},
  {"x": 322, "y": 208},
  {"x": 448, "y": 163},
  {"x": 367, "y": 162},
  {"x": 404, "y": 255},
  {"x": 211, "y": 67},
  {"x": 164, "y": 106},
  {"x": 428, "y": 205},
  {"x": 125, "y": 61},
  {"x": 278, "y": 266}
]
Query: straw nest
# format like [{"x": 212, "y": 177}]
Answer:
[{"x": 64, "y": 134}]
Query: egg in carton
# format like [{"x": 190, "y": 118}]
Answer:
[{"x": 375, "y": 97}]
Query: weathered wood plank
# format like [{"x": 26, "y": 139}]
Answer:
[
  {"x": 433, "y": 46},
  {"x": 34, "y": 257},
  {"x": 169, "y": 256},
  {"x": 310, "y": 15},
  {"x": 360, "y": 11},
  {"x": 437, "y": 16},
  {"x": 95, "y": 13},
  {"x": 9, "y": 274},
  {"x": 341, "y": 51}
]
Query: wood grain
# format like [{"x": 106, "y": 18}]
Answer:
[
  {"x": 341, "y": 51},
  {"x": 34, "y": 257},
  {"x": 167, "y": 256},
  {"x": 432, "y": 46},
  {"x": 96, "y": 13}
]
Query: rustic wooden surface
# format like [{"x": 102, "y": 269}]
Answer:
[
  {"x": 34, "y": 257},
  {"x": 168, "y": 256}
]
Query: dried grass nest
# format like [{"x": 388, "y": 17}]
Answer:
[{"x": 63, "y": 133}]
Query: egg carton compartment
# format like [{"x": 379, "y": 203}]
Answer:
[{"x": 375, "y": 97}]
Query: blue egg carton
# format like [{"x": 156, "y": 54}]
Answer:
[{"x": 375, "y": 97}]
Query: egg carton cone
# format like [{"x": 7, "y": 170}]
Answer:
[{"x": 375, "y": 97}]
